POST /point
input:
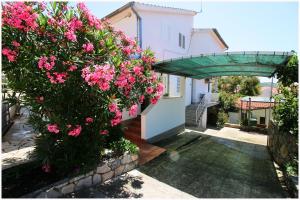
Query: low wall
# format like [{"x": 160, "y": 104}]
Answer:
[
  {"x": 167, "y": 114},
  {"x": 282, "y": 146},
  {"x": 105, "y": 171}
]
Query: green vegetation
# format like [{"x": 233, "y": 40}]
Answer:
[
  {"x": 286, "y": 107},
  {"x": 250, "y": 86},
  {"x": 288, "y": 74},
  {"x": 222, "y": 119},
  {"x": 231, "y": 88}
]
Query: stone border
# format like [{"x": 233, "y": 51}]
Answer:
[{"x": 105, "y": 171}]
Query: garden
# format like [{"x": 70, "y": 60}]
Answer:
[{"x": 76, "y": 74}]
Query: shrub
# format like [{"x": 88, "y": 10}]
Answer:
[
  {"x": 77, "y": 74},
  {"x": 227, "y": 101},
  {"x": 285, "y": 111},
  {"x": 121, "y": 146},
  {"x": 222, "y": 119}
]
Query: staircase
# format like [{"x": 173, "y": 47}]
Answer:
[
  {"x": 194, "y": 113},
  {"x": 190, "y": 115}
]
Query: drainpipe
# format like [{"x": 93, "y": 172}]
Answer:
[{"x": 139, "y": 26}]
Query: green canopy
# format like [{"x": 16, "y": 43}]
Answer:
[{"x": 224, "y": 64}]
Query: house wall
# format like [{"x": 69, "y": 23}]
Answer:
[
  {"x": 165, "y": 115},
  {"x": 125, "y": 21},
  {"x": 161, "y": 34},
  {"x": 203, "y": 42},
  {"x": 235, "y": 117}
]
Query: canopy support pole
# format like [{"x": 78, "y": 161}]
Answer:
[{"x": 271, "y": 93}]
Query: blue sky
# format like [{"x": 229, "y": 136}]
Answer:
[{"x": 245, "y": 26}]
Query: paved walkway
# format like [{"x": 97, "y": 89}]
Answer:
[
  {"x": 18, "y": 142},
  {"x": 220, "y": 164},
  {"x": 133, "y": 184}
]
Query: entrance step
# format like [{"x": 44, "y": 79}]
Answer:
[{"x": 132, "y": 132}]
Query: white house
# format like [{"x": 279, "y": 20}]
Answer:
[{"x": 169, "y": 33}]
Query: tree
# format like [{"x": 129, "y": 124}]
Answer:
[
  {"x": 288, "y": 74},
  {"x": 77, "y": 74},
  {"x": 286, "y": 107},
  {"x": 230, "y": 84},
  {"x": 250, "y": 86}
]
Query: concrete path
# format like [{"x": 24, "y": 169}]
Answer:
[
  {"x": 220, "y": 164},
  {"x": 18, "y": 142},
  {"x": 133, "y": 184}
]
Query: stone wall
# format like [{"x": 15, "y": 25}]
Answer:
[
  {"x": 105, "y": 171},
  {"x": 282, "y": 146}
]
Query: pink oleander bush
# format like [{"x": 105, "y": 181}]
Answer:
[{"x": 78, "y": 74}]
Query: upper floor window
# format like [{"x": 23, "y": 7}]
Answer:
[{"x": 181, "y": 40}]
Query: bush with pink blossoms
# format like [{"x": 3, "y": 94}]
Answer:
[{"x": 77, "y": 74}]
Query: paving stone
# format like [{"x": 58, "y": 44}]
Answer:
[
  {"x": 42, "y": 195},
  {"x": 103, "y": 169},
  {"x": 76, "y": 178},
  {"x": 114, "y": 164},
  {"x": 53, "y": 193},
  {"x": 68, "y": 188},
  {"x": 96, "y": 178},
  {"x": 119, "y": 170},
  {"x": 126, "y": 159},
  {"x": 130, "y": 166},
  {"x": 134, "y": 157},
  {"x": 85, "y": 182},
  {"x": 107, "y": 176}
]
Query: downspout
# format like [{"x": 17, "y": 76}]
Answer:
[{"x": 139, "y": 26}]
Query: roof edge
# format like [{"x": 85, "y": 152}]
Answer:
[
  {"x": 220, "y": 37},
  {"x": 215, "y": 31},
  {"x": 128, "y": 5},
  {"x": 132, "y": 3}
]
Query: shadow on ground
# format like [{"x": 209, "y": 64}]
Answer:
[
  {"x": 215, "y": 167},
  {"x": 121, "y": 187}
]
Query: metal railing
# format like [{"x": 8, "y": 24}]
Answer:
[{"x": 200, "y": 109}]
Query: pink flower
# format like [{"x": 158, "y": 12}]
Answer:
[
  {"x": 88, "y": 47},
  {"x": 69, "y": 125},
  {"x": 53, "y": 128},
  {"x": 76, "y": 131},
  {"x": 89, "y": 120},
  {"x": 131, "y": 79},
  {"x": 10, "y": 54},
  {"x": 75, "y": 24},
  {"x": 99, "y": 75},
  {"x": 72, "y": 68},
  {"x": 70, "y": 35},
  {"x": 46, "y": 168},
  {"x": 20, "y": 16},
  {"x": 115, "y": 121},
  {"x": 137, "y": 70},
  {"x": 104, "y": 132},
  {"x": 126, "y": 50},
  {"x": 154, "y": 100},
  {"x": 112, "y": 107},
  {"x": 133, "y": 110},
  {"x": 15, "y": 43},
  {"x": 149, "y": 90},
  {"x": 40, "y": 99},
  {"x": 60, "y": 77},
  {"x": 141, "y": 99},
  {"x": 43, "y": 62}
]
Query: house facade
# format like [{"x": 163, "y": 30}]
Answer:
[
  {"x": 169, "y": 33},
  {"x": 258, "y": 109}
]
